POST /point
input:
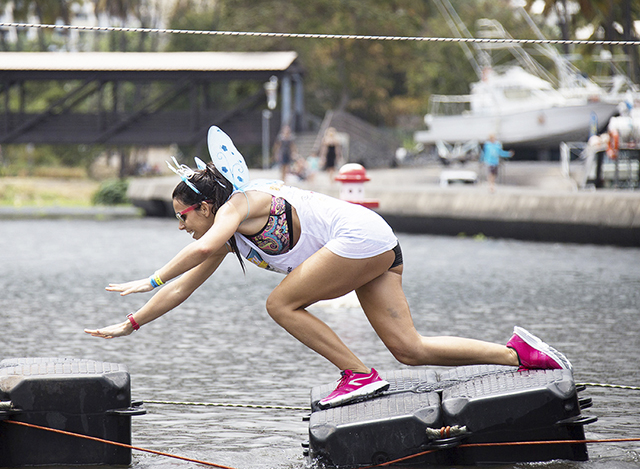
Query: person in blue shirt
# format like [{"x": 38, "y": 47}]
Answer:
[{"x": 491, "y": 154}]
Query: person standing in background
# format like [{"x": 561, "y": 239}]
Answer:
[
  {"x": 330, "y": 151},
  {"x": 491, "y": 153},
  {"x": 285, "y": 150}
]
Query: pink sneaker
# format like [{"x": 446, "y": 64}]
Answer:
[
  {"x": 536, "y": 354},
  {"x": 352, "y": 386}
]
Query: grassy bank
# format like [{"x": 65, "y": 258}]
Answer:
[{"x": 44, "y": 191}]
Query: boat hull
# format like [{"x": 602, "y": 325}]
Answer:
[{"x": 540, "y": 128}]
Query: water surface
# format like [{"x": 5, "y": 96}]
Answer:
[{"x": 221, "y": 346}]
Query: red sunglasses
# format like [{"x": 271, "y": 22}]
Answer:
[{"x": 181, "y": 215}]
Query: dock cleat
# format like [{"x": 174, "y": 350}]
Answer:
[
  {"x": 533, "y": 353},
  {"x": 354, "y": 386}
]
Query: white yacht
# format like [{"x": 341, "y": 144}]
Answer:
[
  {"x": 521, "y": 102},
  {"x": 518, "y": 107}
]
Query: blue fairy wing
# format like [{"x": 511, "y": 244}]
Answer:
[
  {"x": 227, "y": 158},
  {"x": 200, "y": 164}
]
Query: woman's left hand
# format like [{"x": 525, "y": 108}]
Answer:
[
  {"x": 135, "y": 286},
  {"x": 109, "y": 332}
]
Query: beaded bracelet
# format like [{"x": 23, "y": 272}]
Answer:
[
  {"x": 133, "y": 322},
  {"x": 155, "y": 281}
]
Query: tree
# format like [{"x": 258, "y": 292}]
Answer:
[
  {"x": 359, "y": 76},
  {"x": 119, "y": 10},
  {"x": 376, "y": 80},
  {"x": 46, "y": 11},
  {"x": 610, "y": 21},
  {"x": 49, "y": 12},
  {"x": 21, "y": 11}
]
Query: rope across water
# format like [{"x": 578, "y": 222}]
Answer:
[
  {"x": 300, "y": 408},
  {"x": 228, "y": 404},
  {"x": 610, "y": 386},
  {"x": 207, "y": 463},
  {"x": 295, "y": 408}
]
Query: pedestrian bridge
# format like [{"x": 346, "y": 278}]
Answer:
[{"x": 142, "y": 98}]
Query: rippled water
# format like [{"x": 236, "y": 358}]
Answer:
[{"x": 221, "y": 346}]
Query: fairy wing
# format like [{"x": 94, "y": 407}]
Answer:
[{"x": 227, "y": 158}]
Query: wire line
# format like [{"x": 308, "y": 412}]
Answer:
[
  {"x": 320, "y": 36},
  {"x": 225, "y": 404},
  {"x": 611, "y": 386}
]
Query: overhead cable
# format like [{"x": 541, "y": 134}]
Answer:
[{"x": 472, "y": 40}]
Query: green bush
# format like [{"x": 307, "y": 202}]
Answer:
[{"x": 112, "y": 192}]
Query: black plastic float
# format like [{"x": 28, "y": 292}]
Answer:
[
  {"x": 479, "y": 404},
  {"x": 80, "y": 396}
]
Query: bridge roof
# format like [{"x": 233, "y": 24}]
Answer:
[{"x": 32, "y": 64}]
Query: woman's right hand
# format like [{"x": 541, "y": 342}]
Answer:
[
  {"x": 135, "y": 286},
  {"x": 109, "y": 332}
]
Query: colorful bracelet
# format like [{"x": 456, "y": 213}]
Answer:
[
  {"x": 133, "y": 322},
  {"x": 156, "y": 281}
]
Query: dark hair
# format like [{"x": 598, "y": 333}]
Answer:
[{"x": 214, "y": 188}]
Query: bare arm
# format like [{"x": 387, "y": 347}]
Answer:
[
  {"x": 166, "y": 298},
  {"x": 224, "y": 225}
]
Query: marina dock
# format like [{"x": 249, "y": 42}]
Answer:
[{"x": 532, "y": 201}]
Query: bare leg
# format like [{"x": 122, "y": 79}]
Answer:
[
  {"x": 386, "y": 308},
  {"x": 492, "y": 182},
  {"x": 316, "y": 280},
  {"x": 380, "y": 293}
]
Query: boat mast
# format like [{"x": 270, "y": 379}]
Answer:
[{"x": 459, "y": 29}]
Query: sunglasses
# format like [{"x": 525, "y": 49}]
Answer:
[{"x": 181, "y": 215}]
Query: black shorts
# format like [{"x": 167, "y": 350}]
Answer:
[{"x": 398, "y": 260}]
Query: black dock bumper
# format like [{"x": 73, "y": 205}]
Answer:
[
  {"x": 463, "y": 416},
  {"x": 78, "y": 396}
]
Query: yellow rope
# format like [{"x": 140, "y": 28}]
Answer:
[
  {"x": 611, "y": 386},
  {"x": 223, "y": 404}
]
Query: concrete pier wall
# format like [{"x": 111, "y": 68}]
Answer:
[
  {"x": 585, "y": 217},
  {"x": 542, "y": 207}
]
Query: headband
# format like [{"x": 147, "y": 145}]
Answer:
[{"x": 185, "y": 172}]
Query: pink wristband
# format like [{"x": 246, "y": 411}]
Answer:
[{"x": 133, "y": 322}]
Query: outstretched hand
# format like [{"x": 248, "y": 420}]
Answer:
[
  {"x": 135, "y": 286},
  {"x": 123, "y": 328},
  {"x": 109, "y": 332}
]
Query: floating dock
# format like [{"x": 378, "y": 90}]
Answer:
[
  {"x": 74, "y": 395},
  {"x": 462, "y": 416}
]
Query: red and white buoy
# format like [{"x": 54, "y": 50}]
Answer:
[{"x": 352, "y": 177}]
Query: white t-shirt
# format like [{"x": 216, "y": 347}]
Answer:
[{"x": 346, "y": 229}]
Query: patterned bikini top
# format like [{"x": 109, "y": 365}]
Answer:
[{"x": 276, "y": 237}]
